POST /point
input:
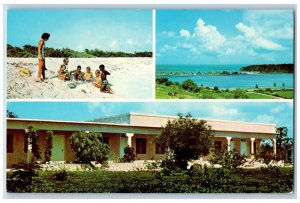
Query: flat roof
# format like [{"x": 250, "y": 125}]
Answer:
[{"x": 207, "y": 119}]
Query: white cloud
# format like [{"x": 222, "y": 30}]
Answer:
[
  {"x": 167, "y": 47},
  {"x": 221, "y": 111},
  {"x": 264, "y": 118},
  {"x": 92, "y": 106},
  {"x": 275, "y": 24},
  {"x": 251, "y": 52},
  {"x": 169, "y": 34},
  {"x": 185, "y": 33},
  {"x": 114, "y": 44},
  {"x": 209, "y": 36},
  {"x": 131, "y": 42},
  {"x": 255, "y": 39},
  {"x": 277, "y": 109},
  {"x": 189, "y": 46}
]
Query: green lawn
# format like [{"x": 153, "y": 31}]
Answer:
[
  {"x": 286, "y": 94},
  {"x": 270, "y": 180},
  {"x": 175, "y": 92},
  {"x": 253, "y": 95}
]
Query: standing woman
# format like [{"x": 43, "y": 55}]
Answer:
[{"x": 41, "y": 56}]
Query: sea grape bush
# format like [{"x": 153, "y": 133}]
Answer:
[
  {"x": 129, "y": 155},
  {"x": 89, "y": 147}
]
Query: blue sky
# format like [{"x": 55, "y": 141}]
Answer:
[
  {"x": 224, "y": 36},
  {"x": 78, "y": 29},
  {"x": 280, "y": 113}
]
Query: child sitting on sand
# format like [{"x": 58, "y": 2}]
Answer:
[
  {"x": 104, "y": 87},
  {"x": 77, "y": 74},
  {"x": 88, "y": 75},
  {"x": 63, "y": 70},
  {"x": 98, "y": 81}
]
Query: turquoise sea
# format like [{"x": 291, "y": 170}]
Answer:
[{"x": 263, "y": 80}]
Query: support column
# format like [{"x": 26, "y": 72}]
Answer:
[
  {"x": 274, "y": 147},
  {"x": 129, "y": 136},
  {"x": 29, "y": 146},
  {"x": 252, "y": 147},
  {"x": 228, "y": 143}
]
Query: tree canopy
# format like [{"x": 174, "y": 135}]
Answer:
[
  {"x": 283, "y": 142},
  {"x": 188, "y": 138},
  {"x": 10, "y": 114},
  {"x": 264, "y": 68}
]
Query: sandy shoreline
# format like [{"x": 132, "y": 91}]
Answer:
[{"x": 131, "y": 78}]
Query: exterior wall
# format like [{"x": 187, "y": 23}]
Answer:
[
  {"x": 114, "y": 133},
  {"x": 217, "y": 125},
  {"x": 150, "y": 148},
  {"x": 18, "y": 154},
  {"x": 114, "y": 145}
]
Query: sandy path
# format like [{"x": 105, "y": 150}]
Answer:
[{"x": 131, "y": 78}]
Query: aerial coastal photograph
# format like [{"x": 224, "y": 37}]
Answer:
[
  {"x": 242, "y": 54},
  {"x": 79, "y": 54}
]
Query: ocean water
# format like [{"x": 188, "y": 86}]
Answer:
[{"x": 264, "y": 80}]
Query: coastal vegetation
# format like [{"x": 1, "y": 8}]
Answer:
[
  {"x": 166, "y": 89},
  {"x": 28, "y": 51},
  {"x": 198, "y": 73},
  {"x": 195, "y": 180},
  {"x": 270, "y": 68}
]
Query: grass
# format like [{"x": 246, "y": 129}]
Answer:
[
  {"x": 286, "y": 94},
  {"x": 167, "y": 92},
  {"x": 253, "y": 95},
  {"x": 203, "y": 181}
]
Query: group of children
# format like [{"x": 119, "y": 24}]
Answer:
[{"x": 99, "y": 81}]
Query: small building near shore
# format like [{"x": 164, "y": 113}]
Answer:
[{"x": 134, "y": 129}]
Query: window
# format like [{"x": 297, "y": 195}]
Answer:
[
  {"x": 140, "y": 145},
  {"x": 218, "y": 145},
  {"x": 106, "y": 140},
  {"x": 10, "y": 143},
  {"x": 159, "y": 149}
]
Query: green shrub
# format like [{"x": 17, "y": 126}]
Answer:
[
  {"x": 177, "y": 84},
  {"x": 228, "y": 159},
  {"x": 168, "y": 83},
  {"x": 21, "y": 180},
  {"x": 173, "y": 93},
  {"x": 48, "y": 146},
  {"x": 33, "y": 141},
  {"x": 61, "y": 175},
  {"x": 89, "y": 147},
  {"x": 240, "y": 94},
  {"x": 189, "y": 85},
  {"x": 161, "y": 80},
  {"x": 197, "y": 89},
  {"x": 129, "y": 155}
]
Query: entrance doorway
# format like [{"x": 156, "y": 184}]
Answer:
[{"x": 58, "y": 150}]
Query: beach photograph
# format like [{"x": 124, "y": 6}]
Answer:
[
  {"x": 241, "y": 54},
  {"x": 79, "y": 54},
  {"x": 150, "y": 147}
]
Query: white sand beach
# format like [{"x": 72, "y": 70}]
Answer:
[{"x": 131, "y": 78}]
